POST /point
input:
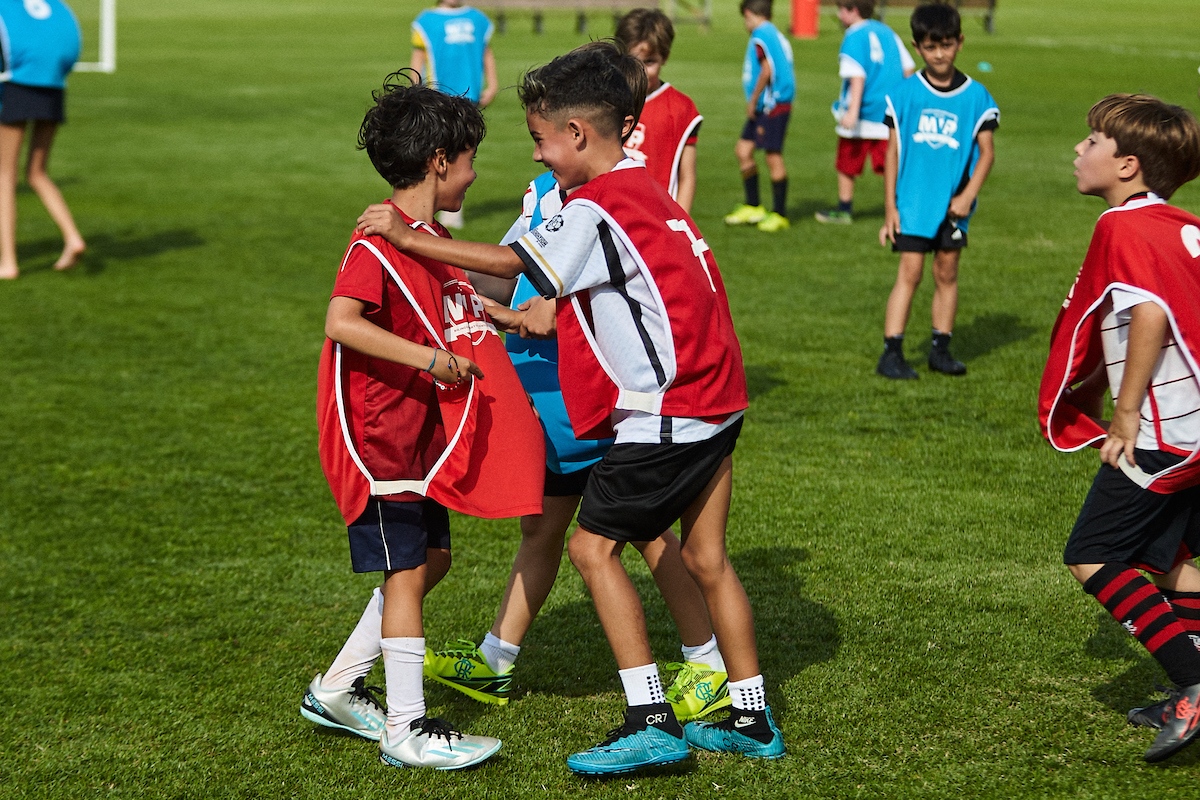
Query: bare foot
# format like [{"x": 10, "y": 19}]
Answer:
[
  {"x": 9, "y": 273},
  {"x": 70, "y": 255}
]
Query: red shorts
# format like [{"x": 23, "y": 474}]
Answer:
[{"x": 852, "y": 155}]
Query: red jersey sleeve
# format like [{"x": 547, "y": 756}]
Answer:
[{"x": 360, "y": 278}]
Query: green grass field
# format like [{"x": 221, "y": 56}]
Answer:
[{"x": 173, "y": 570}]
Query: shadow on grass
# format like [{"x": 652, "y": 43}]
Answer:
[
  {"x": 566, "y": 652},
  {"x": 103, "y": 247},
  {"x": 761, "y": 380},
  {"x": 989, "y": 332}
]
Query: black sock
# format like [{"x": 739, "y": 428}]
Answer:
[
  {"x": 750, "y": 723},
  {"x": 845, "y": 205},
  {"x": 1142, "y": 610},
  {"x": 941, "y": 340},
  {"x": 1186, "y": 606},
  {"x": 779, "y": 196},
  {"x": 654, "y": 715},
  {"x": 750, "y": 184},
  {"x": 894, "y": 344}
]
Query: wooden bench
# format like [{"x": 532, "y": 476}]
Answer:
[
  {"x": 981, "y": 8},
  {"x": 699, "y": 11}
]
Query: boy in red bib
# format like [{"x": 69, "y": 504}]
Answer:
[
  {"x": 1131, "y": 324},
  {"x": 634, "y": 276},
  {"x": 409, "y": 426}
]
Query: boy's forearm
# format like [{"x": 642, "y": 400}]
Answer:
[
  {"x": 345, "y": 324},
  {"x": 488, "y": 259},
  {"x": 983, "y": 167},
  {"x": 891, "y": 170},
  {"x": 686, "y": 191},
  {"x": 1147, "y": 332}
]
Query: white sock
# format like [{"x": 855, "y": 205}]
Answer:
[
  {"x": 500, "y": 655},
  {"x": 706, "y": 654},
  {"x": 748, "y": 695},
  {"x": 403, "y": 658},
  {"x": 360, "y": 651},
  {"x": 642, "y": 685}
]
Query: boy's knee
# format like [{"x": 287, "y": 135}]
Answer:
[
  {"x": 1081, "y": 572},
  {"x": 704, "y": 567},
  {"x": 587, "y": 550}
]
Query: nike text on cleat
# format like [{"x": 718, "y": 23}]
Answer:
[
  {"x": 1181, "y": 723},
  {"x": 463, "y": 667},
  {"x": 746, "y": 215},
  {"x": 650, "y": 736},
  {"x": 431, "y": 742},
  {"x": 751, "y": 733},
  {"x": 356, "y": 710},
  {"x": 697, "y": 690}
]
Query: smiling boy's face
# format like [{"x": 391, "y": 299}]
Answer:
[{"x": 556, "y": 147}]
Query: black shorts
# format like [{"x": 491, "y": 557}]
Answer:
[
  {"x": 1123, "y": 523},
  {"x": 639, "y": 490},
  {"x": 20, "y": 103},
  {"x": 566, "y": 484},
  {"x": 391, "y": 535},
  {"x": 944, "y": 239},
  {"x": 767, "y": 131}
]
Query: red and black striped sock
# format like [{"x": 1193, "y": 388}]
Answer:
[
  {"x": 1186, "y": 606},
  {"x": 1142, "y": 610}
]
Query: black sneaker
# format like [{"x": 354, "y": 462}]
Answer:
[
  {"x": 941, "y": 361},
  {"x": 1181, "y": 724},
  {"x": 892, "y": 365},
  {"x": 1151, "y": 716}
]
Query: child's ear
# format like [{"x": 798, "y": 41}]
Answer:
[
  {"x": 439, "y": 164},
  {"x": 576, "y": 129},
  {"x": 1130, "y": 167}
]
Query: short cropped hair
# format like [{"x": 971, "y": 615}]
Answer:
[
  {"x": 865, "y": 8},
  {"x": 647, "y": 25},
  {"x": 596, "y": 81},
  {"x": 1165, "y": 138},
  {"x": 935, "y": 22},
  {"x": 410, "y": 123},
  {"x": 760, "y": 7}
]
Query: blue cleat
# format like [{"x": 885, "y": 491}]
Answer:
[
  {"x": 650, "y": 736},
  {"x": 751, "y": 733}
]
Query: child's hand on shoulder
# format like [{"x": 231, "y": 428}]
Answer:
[{"x": 382, "y": 219}]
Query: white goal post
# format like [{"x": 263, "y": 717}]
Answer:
[{"x": 108, "y": 41}]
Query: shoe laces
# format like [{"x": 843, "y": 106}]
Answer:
[
  {"x": 435, "y": 727},
  {"x": 463, "y": 648},
  {"x": 684, "y": 681},
  {"x": 370, "y": 695}
]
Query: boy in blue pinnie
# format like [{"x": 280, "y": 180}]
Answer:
[
  {"x": 769, "y": 81},
  {"x": 939, "y": 154},
  {"x": 871, "y": 61}
]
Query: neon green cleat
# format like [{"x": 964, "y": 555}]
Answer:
[
  {"x": 462, "y": 666},
  {"x": 746, "y": 215},
  {"x": 774, "y": 223},
  {"x": 697, "y": 690}
]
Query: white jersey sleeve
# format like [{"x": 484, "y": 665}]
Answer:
[{"x": 565, "y": 254}]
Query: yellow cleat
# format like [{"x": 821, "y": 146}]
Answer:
[
  {"x": 774, "y": 223},
  {"x": 746, "y": 215}
]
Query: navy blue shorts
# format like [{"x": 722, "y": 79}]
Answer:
[
  {"x": 639, "y": 490},
  {"x": 767, "y": 131},
  {"x": 948, "y": 237},
  {"x": 20, "y": 103},
  {"x": 1121, "y": 522},
  {"x": 390, "y": 535}
]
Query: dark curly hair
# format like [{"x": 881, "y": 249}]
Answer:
[
  {"x": 596, "y": 81},
  {"x": 410, "y": 123}
]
